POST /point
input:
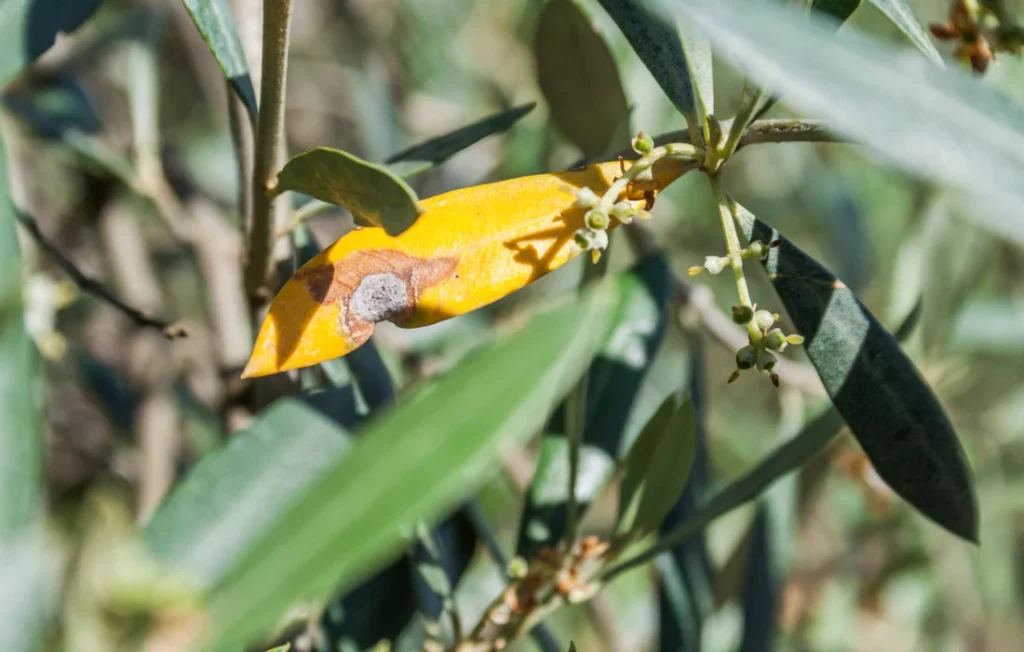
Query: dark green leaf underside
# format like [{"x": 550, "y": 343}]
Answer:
[
  {"x": 214, "y": 21},
  {"x": 890, "y": 410},
  {"x": 438, "y": 150}
]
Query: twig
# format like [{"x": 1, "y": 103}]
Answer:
[
  {"x": 764, "y": 131},
  {"x": 696, "y": 305},
  {"x": 269, "y": 138},
  {"x": 90, "y": 285}
]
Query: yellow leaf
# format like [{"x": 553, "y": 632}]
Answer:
[{"x": 469, "y": 248}]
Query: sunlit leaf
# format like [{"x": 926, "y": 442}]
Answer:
[
  {"x": 470, "y": 248},
  {"x": 656, "y": 469},
  {"x": 615, "y": 381},
  {"x": 936, "y": 123},
  {"x": 29, "y": 27},
  {"x": 214, "y": 21},
  {"x": 438, "y": 150},
  {"x": 372, "y": 193},
  {"x": 21, "y": 437},
  {"x": 420, "y": 458},
  {"x": 890, "y": 410},
  {"x": 579, "y": 78}
]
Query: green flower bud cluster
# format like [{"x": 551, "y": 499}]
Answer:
[{"x": 759, "y": 352}]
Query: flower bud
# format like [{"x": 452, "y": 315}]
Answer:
[
  {"x": 794, "y": 339},
  {"x": 742, "y": 314},
  {"x": 775, "y": 340},
  {"x": 715, "y": 264},
  {"x": 758, "y": 250},
  {"x": 764, "y": 319},
  {"x": 623, "y": 212},
  {"x": 642, "y": 143},
  {"x": 596, "y": 219},
  {"x": 600, "y": 240},
  {"x": 584, "y": 238},
  {"x": 518, "y": 568},
  {"x": 746, "y": 357},
  {"x": 766, "y": 361},
  {"x": 586, "y": 198}
]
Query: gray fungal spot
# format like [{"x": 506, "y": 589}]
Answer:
[{"x": 380, "y": 297}]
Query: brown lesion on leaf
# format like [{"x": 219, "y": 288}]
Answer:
[{"x": 388, "y": 284}]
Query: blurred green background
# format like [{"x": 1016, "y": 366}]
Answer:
[{"x": 858, "y": 569}]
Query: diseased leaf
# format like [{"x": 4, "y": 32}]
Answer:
[
  {"x": 29, "y": 27},
  {"x": 420, "y": 459},
  {"x": 438, "y": 150},
  {"x": 898, "y": 11},
  {"x": 579, "y": 78},
  {"x": 214, "y": 21},
  {"x": 936, "y": 123},
  {"x": 471, "y": 247},
  {"x": 661, "y": 50},
  {"x": 890, "y": 410},
  {"x": 21, "y": 434},
  {"x": 656, "y": 469},
  {"x": 372, "y": 193},
  {"x": 235, "y": 495},
  {"x": 615, "y": 381}
]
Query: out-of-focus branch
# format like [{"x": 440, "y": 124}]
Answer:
[{"x": 92, "y": 286}]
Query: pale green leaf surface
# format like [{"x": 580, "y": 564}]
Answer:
[
  {"x": 373, "y": 194},
  {"x": 932, "y": 122},
  {"x": 417, "y": 461},
  {"x": 236, "y": 494},
  {"x": 898, "y": 11}
]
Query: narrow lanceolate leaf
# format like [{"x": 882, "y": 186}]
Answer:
[
  {"x": 373, "y": 194},
  {"x": 233, "y": 496},
  {"x": 438, "y": 150},
  {"x": 656, "y": 469},
  {"x": 579, "y": 78},
  {"x": 761, "y": 593},
  {"x": 891, "y": 411},
  {"x": 658, "y": 45},
  {"x": 29, "y": 27},
  {"x": 933, "y": 122},
  {"x": 20, "y": 432},
  {"x": 470, "y": 248},
  {"x": 615, "y": 381},
  {"x": 686, "y": 586},
  {"x": 898, "y": 11},
  {"x": 216, "y": 24},
  {"x": 420, "y": 459}
]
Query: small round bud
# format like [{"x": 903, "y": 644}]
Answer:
[
  {"x": 586, "y": 198},
  {"x": 746, "y": 357},
  {"x": 623, "y": 212},
  {"x": 766, "y": 361},
  {"x": 518, "y": 568},
  {"x": 596, "y": 219},
  {"x": 584, "y": 238},
  {"x": 764, "y": 319},
  {"x": 715, "y": 264},
  {"x": 742, "y": 314},
  {"x": 775, "y": 340},
  {"x": 642, "y": 143},
  {"x": 757, "y": 249}
]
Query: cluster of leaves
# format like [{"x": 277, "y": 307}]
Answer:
[{"x": 362, "y": 505}]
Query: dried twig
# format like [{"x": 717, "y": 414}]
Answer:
[{"x": 90, "y": 285}]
